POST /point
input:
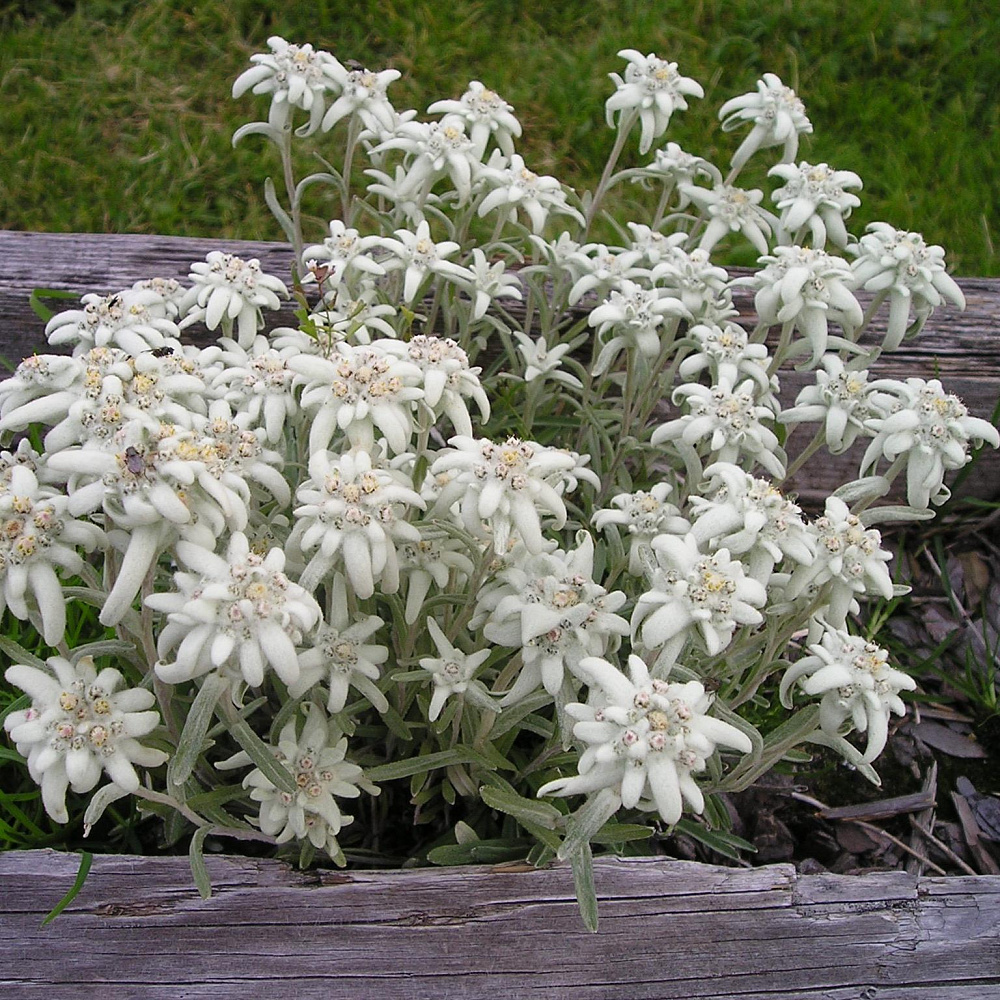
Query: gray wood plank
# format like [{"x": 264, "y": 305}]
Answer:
[
  {"x": 961, "y": 348},
  {"x": 669, "y": 929}
]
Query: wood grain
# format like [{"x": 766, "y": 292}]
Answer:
[
  {"x": 669, "y": 929},
  {"x": 960, "y": 348}
]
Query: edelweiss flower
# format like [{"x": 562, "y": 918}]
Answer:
[
  {"x": 634, "y": 314},
  {"x": 342, "y": 251},
  {"x": 315, "y": 759},
  {"x": 778, "y": 117},
  {"x": 420, "y": 256},
  {"x": 549, "y": 605},
  {"x": 363, "y": 93},
  {"x": 647, "y": 741},
  {"x": 38, "y": 535},
  {"x": 645, "y": 515},
  {"x": 447, "y": 378},
  {"x": 690, "y": 589},
  {"x": 489, "y": 282},
  {"x": 808, "y": 288},
  {"x": 681, "y": 168},
  {"x": 849, "y": 561},
  {"x": 728, "y": 356},
  {"x": 730, "y": 419},
  {"x": 454, "y": 673},
  {"x": 431, "y": 560},
  {"x": 911, "y": 272},
  {"x": 596, "y": 268},
  {"x": 237, "y": 615},
  {"x": 487, "y": 114},
  {"x": 856, "y": 682},
  {"x": 230, "y": 291},
  {"x": 294, "y": 76},
  {"x": 750, "y": 518},
  {"x": 79, "y": 724},
  {"x": 342, "y": 656},
  {"x": 842, "y": 399},
  {"x": 507, "y": 486},
  {"x": 696, "y": 281},
  {"x": 731, "y": 209},
  {"x": 515, "y": 186},
  {"x": 433, "y": 150},
  {"x": 815, "y": 196},
  {"x": 932, "y": 429},
  {"x": 352, "y": 514},
  {"x": 358, "y": 389},
  {"x": 543, "y": 362},
  {"x": 133, "y": 320},
  {"x": 654, "y": 89}
]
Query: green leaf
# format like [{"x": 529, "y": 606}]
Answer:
[
  {"x": 100, "y": 801},
  {"x": 479, "y": 852},
  {"x": 260, "y": 753},
  {"x": 18, "y": 654},
  {"x": 621, "y": 833},
  {"x": 538, "y": 813},
  {"x": 196, "y": 725},
  {"x": 429, "y": 762},
  {"x": 727, "y": 844},
  {"x": 196, "y": 856},
  {"x": 583, "y": 881},
  {"x": 86, "y": 858},
  {"x": 42, "y": 311},
  {"x": 284, "y": 220}
]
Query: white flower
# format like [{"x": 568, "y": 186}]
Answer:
[
  {"x": 431, "y": 560},
  {"x": 352, "y": 515},
  {"x": 681, "y": 168},
  {"x": 294, "y": 76},
  {"x": 489, "y": 282},
  {"x": 634, "y": 314},
  {"x": 507, "y": 486},
  {"x": 259, "y": 384},
  {"x": 696, "y": 281},
  {"x": 692, "y": 590},
  {"x": 421, "y": 257},
  {"x": 778, "y": 117},
  {"x": 231, "y": 291},
  {"x": 597, "y": 268},
  {"x": 815, "y": 196},
  {"x": 842, "y": 399},
  {"x": 515, "y": 186},
  {"x": 549, "y": 605},
  {"x": 911, "y": 272},
  {"x": 731, "y": 209},
  {"x": 342, "y": 251},
  {"x": 646, "y": 741},
  {"x": 447, "y": 380},
  {"x": 750, "y": 518},
  {"x": 730, "y": 420},
  {"x": 342, "y": 656},
  {"x": 394, "y": 189},
  {"x": 726, "y": 353},
  {"x": 932, "y": 429},
  {"x": 487, "y": 114},
  {"x": 654, "y": 89},
  {"x": 363, "y": 93},
  {"x": 433, "y": 150},
  {"x": 543, "y": 362},
  {"x": 359, "y": 389},
  {"x": 315, "y": 759},
  {"x": 133, "y": 320},
  {"x": 37, "y": 536},
  {"x": 850, "y": 561},
  {"x": 454, "y": 672},
  {"x": 807, "y": 288},
  {"x": 238, "y": 615},
  {"x": 856, "y": 683},
  {"x": 80, "y": 724},
  {"x": 645, "y": 515}
]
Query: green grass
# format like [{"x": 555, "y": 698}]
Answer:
[{"x": 117, "y": 116}]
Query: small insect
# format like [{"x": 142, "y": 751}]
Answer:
[
  {"x": 163, "y": 352},
  {"x": 354, "y": 65},
  {"x": 135, "y": 461}
]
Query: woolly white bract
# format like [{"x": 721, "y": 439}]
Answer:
[{"x": 357, "y": 536}]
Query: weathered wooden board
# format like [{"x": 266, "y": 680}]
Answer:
[
  {"x": 669, "y": 929},
  {"x": 961, "y": 348}
]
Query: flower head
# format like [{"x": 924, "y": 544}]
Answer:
[
  {"x": 453, "y": 672},
  {"x": 487, "y": 116},
  {"x": 644, "y": 515},
  {"x": 778, "y": 116},
  {"x": 512, "y": 186},
  {"x": 80, "y": 723},
  {"x": 645, "y": 739},
  {"x": 815, "y": 196}
]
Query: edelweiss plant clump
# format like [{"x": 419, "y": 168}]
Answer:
[{"x": 504, "y": 513}]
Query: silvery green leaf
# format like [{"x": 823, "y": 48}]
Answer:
[
  {"x": 257, "y": 128},
  {"x": 284, "y": 220},
  {"x": 100, "y": 801},
  {"x": 317, "y": 178},
  {"x": 894, "y": 515},
  {"x": 192, "y": 739},
  {"x": 196, "y": 856},
  {"x": 583, "y": 882},
  {"x": 260, "y": 753},
  {"x": 587, "y": 820},
  {"x": 862, "y": 490},
  {"x": 428, "y": 762},
  {"x": 539, "y": 813},
  {"x": 849, "y": 752},
  {"x": 18, "y": 654}
]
